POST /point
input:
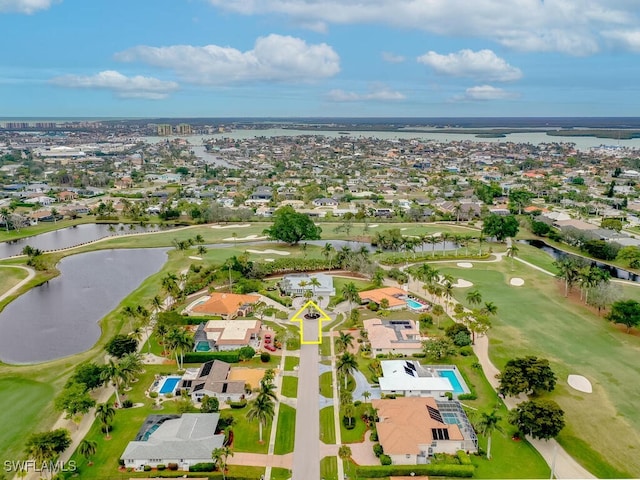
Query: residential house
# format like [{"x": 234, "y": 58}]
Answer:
[
  {"x": 396, "y": 298},
  {"x": 413, "y": 429},
  {"x": 393, "y": 336},
  {"x": 227, "y": 334},
  {"x": 325, "y": 202},
  {"x": 212, "y": 379},
  {"x": 297, "y": 284},
  {"x": 184, "y": 439},
  {"x": 410, "y": 379},
  {"x": 227, "y": 305}
]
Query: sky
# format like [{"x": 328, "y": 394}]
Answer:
[{"x": 319, "y": 58}]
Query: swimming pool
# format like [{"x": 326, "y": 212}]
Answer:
[
  {"x": 203, "y": 346},
  {"x": 413, "y": 304},
  {"x": 169, "y": 385},
  {"x": 452, "y": 376},
  {"x": 450, "y": 418}
]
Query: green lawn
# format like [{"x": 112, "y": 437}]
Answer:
[
  {"x": 327, "y": 427},
  {"x": 290, "y": 387},
  {"x": 356, "y": 435},
  {"x": 326, "y": 380},
  {"x": 286, "y": 430},
  {"x": 280, "y": 473},
  {"x": 9, "y": 277},
  {"x": 290, "y": 363},
  {"x": 325, "y": 347},
  {"x": 22, "y": 403},
  {"x": 537, "y": 319},
  {"x": 329, "y": 468}
]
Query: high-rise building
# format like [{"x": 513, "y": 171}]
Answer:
[
  {"x": 164, "y": 130},
  {"x": 183, "y": 129}
]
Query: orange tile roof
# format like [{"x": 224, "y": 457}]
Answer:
[
  {"x": 389, "y": 293},
  {"x": 405, "y": 424},
  {"x": 224, "y": 303}
]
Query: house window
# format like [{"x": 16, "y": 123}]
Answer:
[{"x": 408, "y": 455}]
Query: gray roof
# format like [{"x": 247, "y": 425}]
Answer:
[{"x": 191, "y": 436}]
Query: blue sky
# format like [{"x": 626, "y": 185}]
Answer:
[{"x": 413, "y": 58}]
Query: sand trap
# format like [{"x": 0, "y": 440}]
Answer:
[
  {"x": 195, "y": 258},
  {"x": 252, "y": 376},
  {"x": 242, "y": 225},
  {"x": 269, "y": 251},
  {"x": 241, "y": 239},
  {"x": 465, "y": 265},
  {"x": 462, "y": 283},
  {"x": 437, "y": 234},
  {"x": 580, "y": 383},
  {"x": 269, "y": 259},
  {"x": 516, "y": 282},
  {"x": 404, "y": 228},
  {"x": 374, "y": 225}
]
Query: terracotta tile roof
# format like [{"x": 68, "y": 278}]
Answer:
[
  {"x": 390, "y": 293},
  {"x": 224, "y": 303}
]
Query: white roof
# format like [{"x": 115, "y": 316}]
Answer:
[{"x": 395, "y": 376}]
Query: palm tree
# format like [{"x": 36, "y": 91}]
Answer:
[
  {"x": 568, "y": 271},
  {"x": 198, "y": 239},
  {"x": 468, "y": 238},
  {"x": 327, "y": 253},
  {"x": 344, "y": 341},
  {"x": 481, "y": 240},
  {"x": 344, "y": 452},
  {"x": 267, "y": 389},
  {"x": 486, "y": 425},
  {"x": 179, "y": 341},
  {"x": 447, "y": 290},
  {"x": 156, "y": 303},
  {"x": 366, "y": 394},
  {"x": 474, "y": 297},
  {"x": 161, "y": 331},
  {"x": 105, "y": 413},
  {"x": 88, "y": 448},
  {"x": 350, "y": 293},
  {"x": 130, "y": 313},
  {"x": 219, "y": 457},
  {"x": 444, "y": 237},
  {"x": 314, "y": 282},
  {"x": 112, "y": 373},
  {"x": 130, "y": 365},
  {"x": 512, "y": 252},
  {"x": 489, "y": 308},
  {"x": 202, "y": 250},
  {"x": 262, "y": 409},
  {"x": 347, "y": 363}
]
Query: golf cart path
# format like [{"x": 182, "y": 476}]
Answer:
[{"x": 21, "y": 283}]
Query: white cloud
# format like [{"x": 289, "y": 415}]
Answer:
[
  {"x": 570, "y": 26},
  {"x": 274, "y": 58},
  {"x": 379, "y": 93},
  {"x": 392, "y": 57},
  {"x": 483, "y": 65},
  {"x": 24, "y": 6},
  {"x": 487, "y": 92},
  {"x": 628, "y": 39},
  {"x": 121, "y": 85}
]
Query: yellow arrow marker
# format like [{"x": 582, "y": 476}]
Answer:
[{"x": 312, "y": 316}]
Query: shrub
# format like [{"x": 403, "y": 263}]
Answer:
[
  {"x": 406, "y": 470},
  {"x": 246, "y": 353},
  {"x": 161, "y": 466},
  {"x": 153, "y": 394},
  {"x": 265, "y": 357},
  {"x": 357, "y": 403},
  {"x": 373, "y": 306},
  {"x": 467, "y": 396},
  {"x": 449, "y": 395},
  {"x": 201, "y": 357},
  {"x": 462, "y": 339},
  {"x": 418, "y": 355},
  {"x": 466, "y": 351},
  {"x": 463, "y": 457},
  {"x": 147, "y": 468},
  {"x": 127, "y": 403},
  {"x": 385, "y": 459},
  {"x": 374, "y": 436},
  {"x": 172, "y": 466},
  {"x": 349, "y": 423},
  {"x": 202, "y": 467},
  {"x": 378, "y": 450},
  {"x": 238, "y": 405},
  {"x": 226, "y": 420}
]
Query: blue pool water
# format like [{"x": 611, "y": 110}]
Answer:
[
  {"x": 413, "y": 304},
  {"x": 202, "y": 346},
  {"x": 453, "y": 378},
  {"x": 169, "y": 385}
]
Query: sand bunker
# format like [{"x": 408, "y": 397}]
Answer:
[
  {"x": 269, "y": 251},
  {"x": 374, "y": 225},
  {"x": 195, "y": 258},
  {"x": 242, "y": 225},
  {"x": 269, "y": 259},
  {"x": 465, "y": 265},
  {"x": 241, "y": 239},
  {"x": 462, "y": 283},
  {"x": 580, "y": 383},
  {"x": 516, "y": 282}
]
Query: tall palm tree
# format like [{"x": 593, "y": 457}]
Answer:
[
  {"x": 130, "y": 365},
  {"x": 350, "y": 293},
  {"x": 481, "y": 240},
  {"x": 327, "y": 253},
  {"x": 112, "y": 373},
  {"x": 468, "y": 238},
  {"x": 267, "y": 389},
  {"x": 568, "y": 271},
  {"x": 486, "y": 425},
  {"x": 512, "y": 252},
  {"x": 130, "y": 313},
  {"x": 219, "y": 457},
  {"x": 180, "y": 342},
  {"x": 444, "y": 237},
  {"x": 161, "y": 331},
  {"x": 474, "y": 297},
  {"x": 156, "y": 303},
  {"x": 87, "y": 448},
  {"x": 347, "y": 363},
  {"x": 105, "y": 413},
  {"x": 344, "y": 341},
  {"x": 261, "y": 409},
  {"x": 314, "y": 282},
  {"x": 489, "y": 308}
]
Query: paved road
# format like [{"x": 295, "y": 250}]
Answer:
[{"x": 306, "y": 453}]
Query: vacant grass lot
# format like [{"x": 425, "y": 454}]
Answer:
[
  {"x": 537, "y": 319},
  {"x": 286, "y": 430}
]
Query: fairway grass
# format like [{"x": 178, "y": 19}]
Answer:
[
  {"x": 538, "y": 320},
  {"x": 9, "y": 277}
]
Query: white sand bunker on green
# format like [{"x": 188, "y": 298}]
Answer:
[
  {"x": 195, "y": 258},
  {"x": 242, "y": 225},
  {"x": 580, "y": 383},
  {"x": 374, "y": 225},
  {"x": 465, "y": 265},
  {"x": 462, "y": 283},
  {"x": 516, "y": 282},
  {"x": 241, "y": 239},
  {"x": 269, "y": 252}
]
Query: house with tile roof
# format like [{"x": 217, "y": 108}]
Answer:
[
  {"x": 212, "y": 380},
  {"x": 184, "y": 439},
  {"x": 393, "y": 336},
  {"x": 226, "y": 305},
  {"x": 395, "y": 297}
]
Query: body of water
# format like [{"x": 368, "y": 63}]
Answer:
[
  {"x": 69, "y": 237},
  {"x": 61, "y": 317},
  {"x": 615, "y": 272},
  {"x": 534, "y": 138}
]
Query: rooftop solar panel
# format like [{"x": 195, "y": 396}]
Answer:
[{"x": 434, "y": 414}]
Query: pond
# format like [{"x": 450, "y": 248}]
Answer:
[
  {"x": 61, "y": 317},
  {"x": 615, "y": 272},
  {"x": 70, "y": 237}
]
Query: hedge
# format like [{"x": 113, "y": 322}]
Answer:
[
  {"x": 203, "y": 467},
  {"x": 441, "y": 470},
  {"x": 201, "y": 357},
  {"x": 463, "y": 457}
]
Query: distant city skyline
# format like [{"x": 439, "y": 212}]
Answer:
[{"x": 310, "y": 58}]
